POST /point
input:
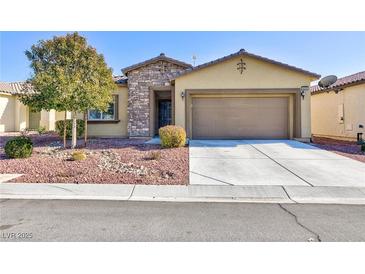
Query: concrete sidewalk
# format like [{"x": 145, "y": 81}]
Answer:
[
  {"x": 191, "y": 193},
  {"x": 8, "y": 176}
]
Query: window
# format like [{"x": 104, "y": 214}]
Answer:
[{"x": 109, "y": 115}]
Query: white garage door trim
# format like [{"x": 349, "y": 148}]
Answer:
[{"x": 221, "y": 94}]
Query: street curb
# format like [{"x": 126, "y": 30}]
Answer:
[
  {"x": 145, "y": 199},
  {"x": 190, "y": 193},
  {"x": 326, "y": 194}
]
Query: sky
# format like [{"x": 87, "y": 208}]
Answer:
[{"x": 325, "y": 53}]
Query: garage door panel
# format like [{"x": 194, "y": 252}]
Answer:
[{"x": 240, "y": 118}]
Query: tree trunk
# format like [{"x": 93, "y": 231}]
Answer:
[
  {"x": 74, "y": 131},
  {"x": 85, "y": 132},
  {"x": 64, "y": 130}
]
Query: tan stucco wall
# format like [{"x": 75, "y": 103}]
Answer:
[
  {"x": 113, "y": 129},
  {"x": 48, "y": 119},
  {"x": 14, "y": 115},
  {"x": 325, "y": 113},
  {"x": 7, "y": 113},
  {"x": 21, "y": 116},
  {"x": 61, "y": 115},
  {"x": 258, "y": 75}
]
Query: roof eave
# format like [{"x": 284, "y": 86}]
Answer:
[
  {"x": 315, "y": 75},
  {"x": 343, "y": 86},
  {"x": 245, "y": 53},
  {"x": 6, "y": 93}
]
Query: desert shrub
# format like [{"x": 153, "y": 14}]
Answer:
[
  {"x": 172, "y": 136},
  {"x": 78, "y": 155},
  {"x": 363, "y": 147},
  {"x": 154, "y": 155},
  {"x": 19, "y": 147},
  {"x": 41, "y": 130},
  {"x": 79, "y": 129}
]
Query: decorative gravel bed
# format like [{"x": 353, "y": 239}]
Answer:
[
  {"x": 344, "y": 148},
  {"x": 117, "y": 161}
]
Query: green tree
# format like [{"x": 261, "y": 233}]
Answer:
[{"x": 68, "y": 75}]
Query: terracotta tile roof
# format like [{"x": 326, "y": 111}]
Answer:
[
  {"x": 342, "y": 82},
  {"x": 161, "y": 57},
  {"x": 245, "y": 53},
  {"x": 15, "y": 88},
  {"x": 5, "y": 87}
]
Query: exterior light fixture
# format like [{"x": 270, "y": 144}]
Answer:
[
  {"x": 182, "y": 94},
  {"x": 338, "y": 90},
  {"x": 360, "y": 140},
  {"x": 303, "y": 91}
]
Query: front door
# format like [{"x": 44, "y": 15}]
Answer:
[
  {"x": 164, "y": 113},
  {"x": 34, "y": 119}
]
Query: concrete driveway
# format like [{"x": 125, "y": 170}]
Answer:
[{"x": 270, "y": 162}]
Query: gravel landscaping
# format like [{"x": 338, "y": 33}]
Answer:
[
  {"x": 344, "y": 148},
  {"x": 118, "y": 161}
]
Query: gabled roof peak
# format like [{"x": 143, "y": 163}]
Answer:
[
  {"x": 243, "y": 52},
  {"x": 161, "y": 57}
]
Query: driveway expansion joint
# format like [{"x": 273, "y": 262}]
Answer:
[
  {"x": 130, "y": 195},
  {"x": 65, "y": 189},
  {"x": 212, "y": 178},
  {"x": 296, "y": 175},
  {"x": 287, "y": 194}
]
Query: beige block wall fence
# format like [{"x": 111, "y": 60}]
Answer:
[
  {"x": 258, "y": 75},
  {"x": 328, "y": 108}
]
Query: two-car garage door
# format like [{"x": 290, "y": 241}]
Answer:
[{"x": 240, "y": 118}]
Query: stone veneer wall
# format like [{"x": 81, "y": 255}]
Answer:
[{"x": 139, "y": 82}]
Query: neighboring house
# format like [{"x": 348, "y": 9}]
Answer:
[
  {"x": 238, "y": 96},
  {"x": 14, "y": 116},
  {"x": 338, "y": 111}
]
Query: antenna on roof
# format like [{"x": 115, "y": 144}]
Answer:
[{"x": 194, "y": 59}]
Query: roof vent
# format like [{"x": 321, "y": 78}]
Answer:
[
  {"x": 162, "y": 54},
  {"x": 242, "y": 50}
]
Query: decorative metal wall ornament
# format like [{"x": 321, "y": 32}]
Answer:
[{"x": 241, "y": 66}]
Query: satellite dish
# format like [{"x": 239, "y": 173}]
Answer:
[{"x": 325, "y": 82}]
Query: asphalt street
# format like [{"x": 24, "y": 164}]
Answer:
[{"x": 77, "y": 220}]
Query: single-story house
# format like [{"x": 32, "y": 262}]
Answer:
[
  {"x": 238, "y": 96},
  {"x": 338, "y": 111}
]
